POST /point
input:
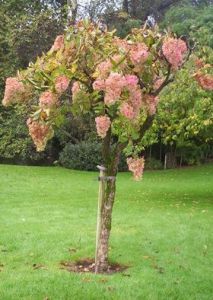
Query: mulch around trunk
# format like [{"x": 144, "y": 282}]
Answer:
[{"x": 87, "y": 265}]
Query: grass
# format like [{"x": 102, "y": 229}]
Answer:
[{"x": 162, "y": 228}]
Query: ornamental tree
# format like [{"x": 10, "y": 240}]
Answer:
[{"x": 116, "y": 81}]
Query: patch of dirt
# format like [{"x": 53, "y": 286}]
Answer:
[{"x": 87, "y": 265}]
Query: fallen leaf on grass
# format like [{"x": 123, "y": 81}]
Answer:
[
  {"x": 125, "y": 274},
  {"x": 103, "y": 280},
  {"x": 110, "y": 288},
  {"x": 1, "y": 267},
  {"x": 161, "y": 270},
  {"x": 72, "y": 250},
  {"x": 39, "y": 266}
]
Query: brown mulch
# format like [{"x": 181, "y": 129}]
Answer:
[{"x": 87, "y": 265}]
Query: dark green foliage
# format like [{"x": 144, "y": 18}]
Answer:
[
  {"x": 196, "y": 22},
  {"x": 153, "y": 164},
  {"x": 85, "y": 156},
  {"x": 16, "y": 145},
  {"x": 82, "y": 156},
  {"x": 34, "y": 34},
  {"x": 123, "y": 29},
  {"x": 191, "y": 153}
]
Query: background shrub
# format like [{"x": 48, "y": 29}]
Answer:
[{"x": 85, "y": 156}]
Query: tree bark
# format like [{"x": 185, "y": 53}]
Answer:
[
  {"x": 106, "y": 202},
  {"x": 103, "y": 233}
]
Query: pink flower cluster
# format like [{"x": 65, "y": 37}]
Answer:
[
  {"x": 102, "y": 125},
  {"x": 40, "y": 133},
  {"x": 127, "y": 111},
  {"x": 58, "y": 43},
  {"x": 136, "y": 166},
  {"x": 61, "y": 84},
  {"x": 122, "y": 44},
  {"x": 174, "y": 51},
  {"x": 151, "y": 103},
  {"x": 103, "y": 69},
  {"x": 114, "y": 85},
  {"x": 14, "y": 91},
  {"x": 158, "y": 82},
  {"x": 47, "y": 100},
  {"x": 205, "y": 81},
  {"x": 75, "y": 88},
  {"x": 138, "y": 53},
  {"x": 99, "y": 85}
]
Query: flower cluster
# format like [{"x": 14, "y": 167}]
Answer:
[
  {"x": 151, "y": 103},
  {"x": 113, "y": 87},
  {"x": 102, "y": 125},
  {"x": 47, "y": 100},
  {"x": 138, "y": 53},
  {"x": 40, "y": 133},
  {"x": 158, "y": 82},
  {"x": 103, "y": 69},
  {"x": 61, "y": 84},
  {"x": 205, "y": 81},
  {"x": 174, "y": 51},
  {"x": 58, "y": 43},
  {"x": 75, "y": 88},
  {"x": 136, "y": 166},
  {"x": 127, "y": 111},
  {"x": 14, "y": 91}
]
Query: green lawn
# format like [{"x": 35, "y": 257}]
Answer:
[{"x": 162, "y": 229}]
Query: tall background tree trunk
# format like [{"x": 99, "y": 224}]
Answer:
[{"x": 72, "y": 9}]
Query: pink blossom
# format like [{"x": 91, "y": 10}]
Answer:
[
  {"x": 61, "y": 84},
  {"x": 14, "y": 91},
  {"x": 138, "y": 53},
  {"x": 58, "y": 43},
  {"x": 102, "y": 125},
  {"x": 205, "y": 81},
  {"x": 122, "y": 44},
  {"x": 114, "y": 85},
  {"x": 127, "y": 111},
  {"x": 136, "y": 165},
  {"x": 99, "y": 85},
  {"x": 75, "y": 88},
  {"x": 151, "y": 103},
  {"x": 40, "y": 133},
  {"x": 158, "y": 82},
  {"x": 104, "y": 68},
  {"x": 174, "y": 50},
  {"x": 135, "y": 99},
  {"x": 47, "y": 99},
  {"x": 131, "y": 80}
]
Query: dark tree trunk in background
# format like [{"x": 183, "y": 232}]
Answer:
[
  {"x": 72, "y": 9},
  {"x": 126, "y": 6}
]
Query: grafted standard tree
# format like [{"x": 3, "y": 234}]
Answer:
[{"x": 116, "y": 81}]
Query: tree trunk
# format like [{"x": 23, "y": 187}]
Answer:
[
  {"x": 104, "y": 223},
  {"x": 106, "y": 200}
]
